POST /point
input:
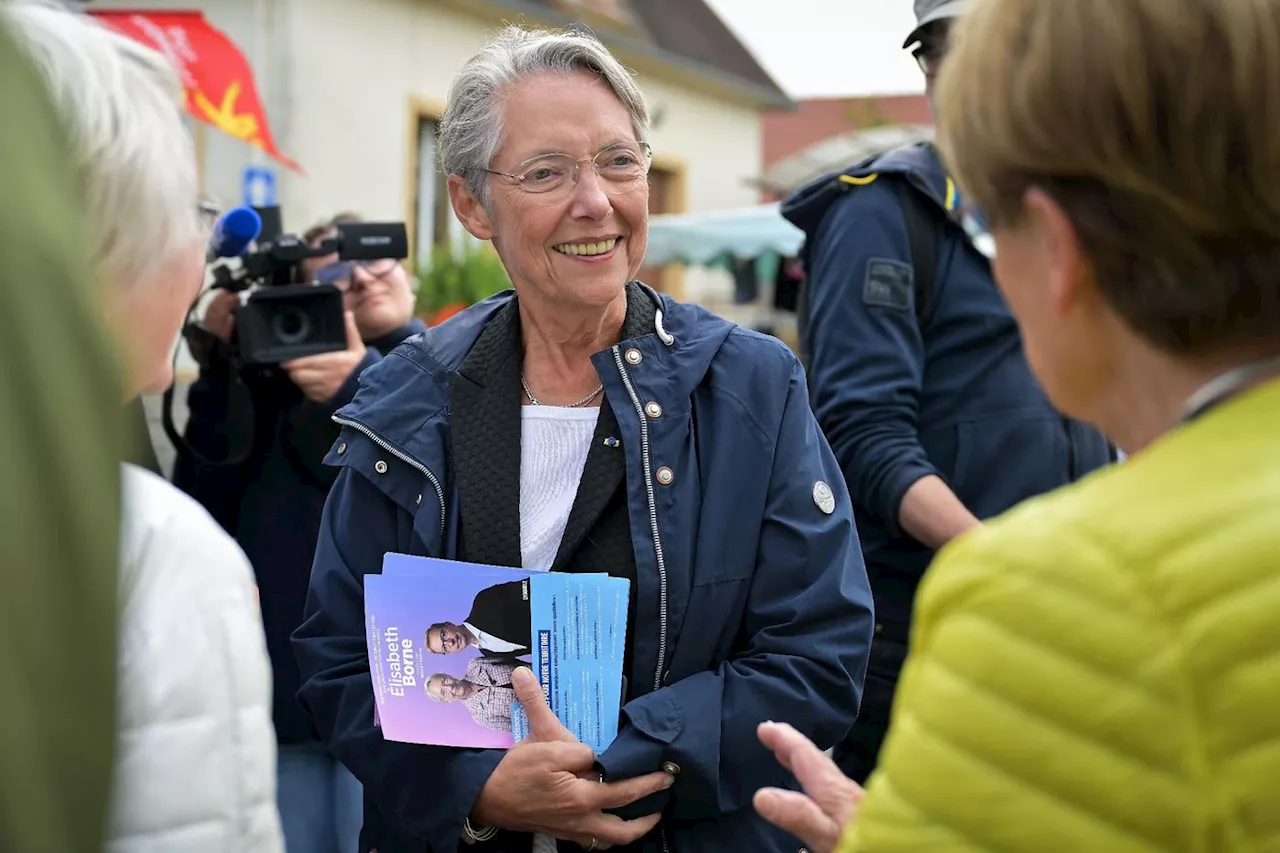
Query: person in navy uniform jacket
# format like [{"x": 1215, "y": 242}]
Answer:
[
  {"x": 585, "y": 423},
  {"x": 918, "y": 376}
]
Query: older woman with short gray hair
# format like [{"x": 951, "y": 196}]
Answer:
[
  {"x": 195, "y": 761},
  {"x": 585, "y": 423}
]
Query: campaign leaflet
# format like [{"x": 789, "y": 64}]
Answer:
[
  {"x": 579, "y": 639},
  {"x": 444, "y": 637}
]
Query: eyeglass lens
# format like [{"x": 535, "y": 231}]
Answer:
[
  {"x": 620, "y": 167},
  {"x": 341, "y": 274}
]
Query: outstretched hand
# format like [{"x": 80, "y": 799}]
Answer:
[
  {"x": 546, "y": 783},
  {"x": 819, "y": 815}
]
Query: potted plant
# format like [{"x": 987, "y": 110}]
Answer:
[{"x": 457, "y": 277}]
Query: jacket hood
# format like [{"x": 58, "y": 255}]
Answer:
[
  {"x": 401, "y": 393},
  {"x": 917, "y": 163}
]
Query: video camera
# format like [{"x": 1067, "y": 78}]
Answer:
[{"x": 283, "y": 319}]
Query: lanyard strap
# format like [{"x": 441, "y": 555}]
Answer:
[{"x": 1227, "y": 385}]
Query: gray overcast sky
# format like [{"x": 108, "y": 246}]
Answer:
[{"x": 825, "y": 48}]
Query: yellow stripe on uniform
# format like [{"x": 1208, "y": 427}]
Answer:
[
  {"x": 951, "y": 195},
  {"x": 859, "y": 182}
]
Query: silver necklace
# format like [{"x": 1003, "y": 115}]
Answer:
[{"x": 584, "y": 401}]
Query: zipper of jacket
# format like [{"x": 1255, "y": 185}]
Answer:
[
  {"x": 653, "y": 518},
  {"x": 402, "y": 456}
]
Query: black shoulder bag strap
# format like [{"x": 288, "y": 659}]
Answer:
[{"x": 922, "y": 239}]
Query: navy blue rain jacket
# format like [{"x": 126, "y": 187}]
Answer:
[
  {"x": 900, "y": 399},
  {"x": 752, "y": 599}
]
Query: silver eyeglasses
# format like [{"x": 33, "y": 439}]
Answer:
[{"x": 621, "y": 168}]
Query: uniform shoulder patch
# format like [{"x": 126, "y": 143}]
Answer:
[{"x": 889, "y": 284}]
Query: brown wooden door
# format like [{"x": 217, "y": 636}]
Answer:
[{"x": 660, "y": 191}]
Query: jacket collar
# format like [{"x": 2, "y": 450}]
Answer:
[
  {"x": 919, "y": 164},
  {"x": 485, "y": 438},
  {"x": 498, "y": 344},
  {"x": 404, "y": 398}
]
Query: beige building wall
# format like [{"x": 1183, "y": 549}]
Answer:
[{"x": 346, "y": 83}]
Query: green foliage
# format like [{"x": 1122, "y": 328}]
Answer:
[{"x": 451, "y": 277}]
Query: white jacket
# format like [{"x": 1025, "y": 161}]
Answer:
[{"x": 195, "y": 768}]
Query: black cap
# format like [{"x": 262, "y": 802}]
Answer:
[{"x": 928, "y": 11}]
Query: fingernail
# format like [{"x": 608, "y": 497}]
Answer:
[
  {"x": 521, "y": 676},
  {"x": 669, "y": 781}
]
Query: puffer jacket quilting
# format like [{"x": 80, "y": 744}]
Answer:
[
  {"x": 1099, "y": 670},
  {"x": 195, "y": 767}
]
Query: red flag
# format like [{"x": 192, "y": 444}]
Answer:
[{"x": 215, "y": 74}]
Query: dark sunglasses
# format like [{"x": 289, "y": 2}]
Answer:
[
  {"x": 929, "y": 57},
  {"x": 932, "y": 48},
  {"x": 341, "y": 274}
]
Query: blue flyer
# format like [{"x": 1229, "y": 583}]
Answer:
[
  {"x": 445, "y": 635},
  {"x": 579, "y": 624}
]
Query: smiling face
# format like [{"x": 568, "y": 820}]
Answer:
[
  {"x": 579, "y": 244},
  {"x": 379, "y": 293},
  {"x": 380, "y": 296},
  {"x": 446, "y": 638},
  {"x": 446, "y": 688}
]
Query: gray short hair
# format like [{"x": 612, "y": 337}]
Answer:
[
  {"x": 471, "y": 130},
  {"x": 121, "y": 104}
]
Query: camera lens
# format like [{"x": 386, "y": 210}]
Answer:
[{"x": 290, "y": 325}]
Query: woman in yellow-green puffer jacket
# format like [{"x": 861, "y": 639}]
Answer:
[{"x": 1099, "y": 669}]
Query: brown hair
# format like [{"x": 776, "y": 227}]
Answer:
[
  {"x": 1155, "y": 124},
  {"x": 329, "y": 227},
  {"x": 323, "y": 231}
]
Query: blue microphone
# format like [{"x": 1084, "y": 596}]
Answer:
[{"x": 233, "y": 233}]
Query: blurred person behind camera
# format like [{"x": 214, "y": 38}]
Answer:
[
  {"x": 1099, "y": 669},
  {"x": 272, "y": 501},
  {"x": 194, "y": 770}
]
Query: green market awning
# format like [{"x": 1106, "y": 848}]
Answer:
[{"x": 716, "y": 238}]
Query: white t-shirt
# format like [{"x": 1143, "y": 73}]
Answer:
[
  {"x": 489, "y": 643},
  {"x": 554, "y": 443}
]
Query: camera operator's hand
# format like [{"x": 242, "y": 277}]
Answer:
[
  {"x": 547, "y": 783},
  {"x": 320, "y": 376},
  {"x": 220, "y": 315}
]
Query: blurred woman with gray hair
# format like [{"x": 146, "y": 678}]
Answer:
[
  {"x": 585, "y": 423},
  {"x": 195, "y": 762}
]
